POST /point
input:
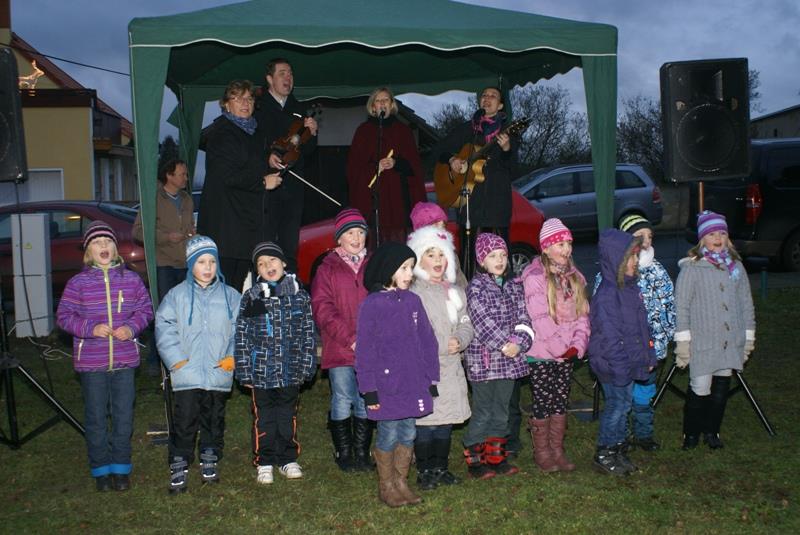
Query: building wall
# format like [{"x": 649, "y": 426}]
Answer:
[
  {"x": 780, "y": 125},
  {"x": 61, "y": 138}
]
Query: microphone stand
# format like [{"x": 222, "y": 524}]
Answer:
[
  {"x": 376, "y": 197},
  {"x": 467, "y": 246}
]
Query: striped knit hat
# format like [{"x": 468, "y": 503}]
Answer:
[
  {"x": 267, "y": 248},
  {"x": 633, "y": 222},
  {"x": 98, "y": 229},
  {"x": 553, "y": 231},
  {"x": 487, "y": 242},
  {"x": 708, "y": 222},
  {"x": 347, "y": 219},
  {"x": 197, "y": 246}
]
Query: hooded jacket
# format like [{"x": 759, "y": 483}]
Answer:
[{"x": 620, "y": 349}]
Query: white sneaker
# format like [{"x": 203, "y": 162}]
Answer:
[
  {"x": 291, "y": 471},
  {"x": 264, "y": 476}
]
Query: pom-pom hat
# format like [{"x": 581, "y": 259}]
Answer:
[{"x": 708, "y": 222}]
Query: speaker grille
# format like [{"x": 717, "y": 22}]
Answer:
[{"x": 707, "y": 137}]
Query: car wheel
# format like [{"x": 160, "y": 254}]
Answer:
[
  {"x": 791, "y": 252},
  {"x": 521, "y": 256}
]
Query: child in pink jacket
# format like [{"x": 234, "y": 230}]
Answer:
[{"x": 557, "y": 305}]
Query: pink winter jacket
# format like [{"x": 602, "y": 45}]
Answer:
[{"x": 552, "y": 339}]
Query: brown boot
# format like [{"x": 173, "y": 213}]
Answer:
[
  {"x": 542, "y": 455},
  {"x": 402, "y": 462},
  {"x": 386, "y": 476},
  {"x": 558, "y": 426}
]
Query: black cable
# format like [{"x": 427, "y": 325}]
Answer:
[{"x": 37, "y": 53}]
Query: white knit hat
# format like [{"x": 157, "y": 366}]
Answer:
[{"x": 423, "y": 239}]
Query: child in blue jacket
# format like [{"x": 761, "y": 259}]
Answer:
[{"x": 275, "y": 355}]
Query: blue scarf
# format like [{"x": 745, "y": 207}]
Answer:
[
  {"x": 720, "y": 259},
  {"x": 248, "y": 125}
]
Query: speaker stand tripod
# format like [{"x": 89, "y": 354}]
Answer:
[
  {"x": 742, "y": 386},
  {"x": 10, "y": 366}
]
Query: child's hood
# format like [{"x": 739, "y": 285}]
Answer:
[{"x": 612, "y": 248}]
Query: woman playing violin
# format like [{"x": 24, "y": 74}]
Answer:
[
  {"x": 383, "y": 145},
  {"x": 237, "y": 179}
]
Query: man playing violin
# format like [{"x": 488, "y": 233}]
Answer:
[
  {"x": 276, "y": 110},
  {"x": 490, "y": 200}
]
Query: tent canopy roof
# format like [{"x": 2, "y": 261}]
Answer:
[{"x": 347, "y": 48}]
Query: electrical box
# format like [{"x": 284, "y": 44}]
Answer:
[{"x": 33, "y": 288}]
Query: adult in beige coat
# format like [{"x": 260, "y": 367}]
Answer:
[{"x": 446, "y": 306}]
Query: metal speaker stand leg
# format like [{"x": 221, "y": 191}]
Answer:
[
  {"x": 10, "y": 366},
  {"x": 743, "y": 386},
  {"x": 668, "y": 384}
]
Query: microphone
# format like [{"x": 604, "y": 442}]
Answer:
[{"x": 382, "y": 114}]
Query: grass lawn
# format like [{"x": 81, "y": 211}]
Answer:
[{"x": 751, "y": 486}]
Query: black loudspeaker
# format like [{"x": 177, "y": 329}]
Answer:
[
  {"x": 13, "y": 164},
  {"x": 705, "y": 108}
]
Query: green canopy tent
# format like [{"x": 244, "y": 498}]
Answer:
[{"x": 349, "y": 47}]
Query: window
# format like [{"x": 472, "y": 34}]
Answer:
[
  {"x": 586, "y": 181},
  {"x": 42, "y": 185},
  {"x": 65, "y": 224},
  {"x": 555, "y": 186},
  {"x": 784, "y": 167},
  {"x": 628, "y": 180}
]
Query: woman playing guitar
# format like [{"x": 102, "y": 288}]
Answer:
[{"x": 489, "y": 205}]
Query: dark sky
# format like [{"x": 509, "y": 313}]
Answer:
[{"x": 650, "y": 34}]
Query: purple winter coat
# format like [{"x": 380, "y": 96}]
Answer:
[
  {"x": 397, "y": 355},
  {"x": 336, "y": 294},
  {"x": 495, "y": 312},
  {"x": 620, "y": 349},
  {"x": 90, "y": 299}
]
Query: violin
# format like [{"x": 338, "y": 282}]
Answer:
[{"x": 288, "y": 146}]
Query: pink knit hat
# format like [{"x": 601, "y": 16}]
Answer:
[
  {"x": 553, "y": 231},
  {"x": 347, "y": 219},
  {"x": 426, "y": 213},
  {"x": 486, "y": 243}
]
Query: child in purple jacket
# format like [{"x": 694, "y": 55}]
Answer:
[
  {"x": 495, "y": 357},
  {"x": 397, "y": 366},
  {"x": 620, "y": 348},
  {"x": 104, "y": 308}
]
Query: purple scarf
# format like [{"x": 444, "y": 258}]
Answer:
[{"x": 722, "y": 260}]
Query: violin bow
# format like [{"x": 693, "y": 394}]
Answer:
[{"x": 284, "y": 168}]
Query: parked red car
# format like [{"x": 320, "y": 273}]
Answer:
[
  {"x": 68, "y": 219},
  {"x": 526, "y": 221}
]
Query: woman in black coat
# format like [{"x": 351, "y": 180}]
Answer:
[{"x": 232, "y": 207}]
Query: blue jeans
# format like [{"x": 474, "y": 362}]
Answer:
[
  {"x": 643, "y": 413},
  {"x": 614, "y": 418},
  {"x": 392, "y": 433},
  {"x": 108, "y": 394},
  {"x": 344, "y": 394}
]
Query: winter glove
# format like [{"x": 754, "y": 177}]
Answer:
[
  {"x": 749, "y": 346},
  {"x": 570, "y": 353},
  {"x": 180, "y": 364},
  {"x": 227, "y": 364},
  {"x": 682, "y": 354},
  {"x": 434, "y": 392}
]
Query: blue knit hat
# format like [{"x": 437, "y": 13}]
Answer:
[{"x": 197, "y": 246}]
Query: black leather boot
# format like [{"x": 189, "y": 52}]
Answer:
[
  {"x": 694, "y": 411},
  {"x": 362, "y": 437},
  {"x": 716, "y": 411},
  {"x": 441, "y": 450},
  {"x": 342, "y": 444},
  {"x": 426, "y": 477}
]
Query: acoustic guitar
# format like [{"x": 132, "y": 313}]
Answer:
[{"x": 448, "y": 184}]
